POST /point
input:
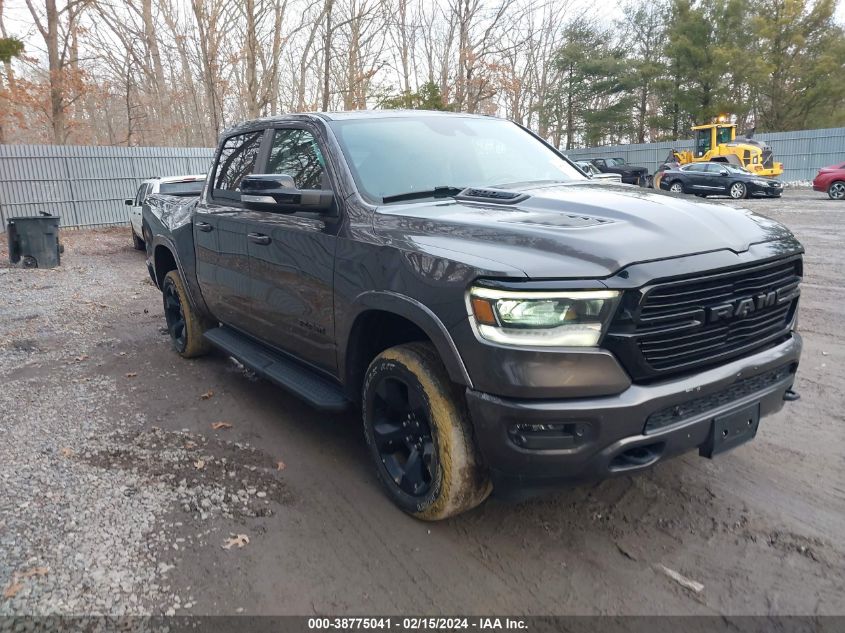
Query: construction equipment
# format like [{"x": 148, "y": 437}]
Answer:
[{"x": 717, "y": 142}]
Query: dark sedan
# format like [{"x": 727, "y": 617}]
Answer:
[
  {"x": 630, "y": 174},
  {"x": 719, "y": 179}
]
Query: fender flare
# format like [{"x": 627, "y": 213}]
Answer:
[
  {"x": 418, "y": 314},
  {"x": 194, "y": 296}
]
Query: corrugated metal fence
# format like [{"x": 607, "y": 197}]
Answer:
[
  {"x": 802, "y": 152},
  {"x": 86, "y": 186}
]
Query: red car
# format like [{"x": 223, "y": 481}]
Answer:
[{"x": 832, "y": 180}]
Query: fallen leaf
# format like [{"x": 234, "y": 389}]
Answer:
[
  {"x": 81, "y": 358},
  {"x": 221, "y": 425},
  {"x": 240, "y": 540},
  {"x": 190, "y": 444},
  {"x": 12, "y": 590},
  {"x": 199, "y": 464},
  {"x": 131, "y": 374},
  {"x": 35, "y": 571},
  {"x": 66, "y": 452},
  {"x": 207, "y": 395},
  {"x": 687, "y": 583},
  {"x": 280, "y": 465}
]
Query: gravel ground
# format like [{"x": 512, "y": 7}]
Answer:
[{"x": 120, "y": 496}]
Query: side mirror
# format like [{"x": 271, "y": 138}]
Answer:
[
  {"x": 129, "y": 202},
  {"x": 277, "y": 193},
  {"x": 723, "y": 172}
]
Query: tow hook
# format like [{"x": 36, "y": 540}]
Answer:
[{"x": 791, "y": 396}]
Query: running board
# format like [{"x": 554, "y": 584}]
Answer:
[{"x": 301, "y": 381}]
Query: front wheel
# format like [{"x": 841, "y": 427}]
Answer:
[
  {"x": 738, "y": 191},
  {"x": 676, "y": 187},
  {"x": 420, "y": 436},
  {"x": 183, "y": 324},
  {"x": 836, "y": 191}
]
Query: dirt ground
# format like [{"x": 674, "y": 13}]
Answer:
[{"x": 112, "y": 473}]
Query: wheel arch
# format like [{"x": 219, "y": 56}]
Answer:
[
  {"x": 382, "y": 319},
  {"x": 164, "y": 257}
]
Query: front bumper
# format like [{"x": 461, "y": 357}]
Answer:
[
  {"x": 639, "y": 179},
  {"x": 614, "y": 427},
  {"x": 768, "y": 192}
]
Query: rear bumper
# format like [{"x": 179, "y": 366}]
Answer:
[{"x": 610, "y": 426}]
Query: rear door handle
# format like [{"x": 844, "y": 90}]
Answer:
[
  {"x": 259, "y": 238},
  {"x": 205, "y": 227}
]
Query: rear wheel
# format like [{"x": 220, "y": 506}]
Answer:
[
  {"x": 836, "y": 190},
  {"x": 420, "y": 436},
  {"x": 183, "y": 324},
  {"x": 676, "y": 187},
  {"x": 738, "y": 190}
]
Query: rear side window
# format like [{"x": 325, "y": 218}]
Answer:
[
  {"x": 237, "y": 160},
  {"x": 296, "y": 153},
  {"x": 188, "y": 188}
]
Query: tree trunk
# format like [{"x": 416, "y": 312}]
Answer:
[{"x": 327, "y": 57}]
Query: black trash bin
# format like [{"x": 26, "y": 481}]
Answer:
[{"x": 34, "y": 242}]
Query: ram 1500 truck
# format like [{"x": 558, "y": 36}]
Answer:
[{"x": 502, "y": 321}]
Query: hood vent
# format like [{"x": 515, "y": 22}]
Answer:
[{"x": 491, "y": 195}]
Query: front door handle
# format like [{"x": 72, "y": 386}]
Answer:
[
  {"x": 259, "y": 238},
  {"x": 205, "y": 227}
]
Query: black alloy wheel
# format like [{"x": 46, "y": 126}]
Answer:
[
  {"x": 174, "y": 315},
  {"x": 403, "y": 436}
]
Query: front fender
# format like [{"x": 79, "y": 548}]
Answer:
[{"x": 415, "y": 312}]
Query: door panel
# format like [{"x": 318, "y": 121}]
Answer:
[
  {"x": 135, "y": 211},
  {"x": 220, "y": 235},
  {"x": 292, "y": 274},
  {"x": 292, "y": 284}
]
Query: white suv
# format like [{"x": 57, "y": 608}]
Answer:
[{"x": 188, "y": 186}]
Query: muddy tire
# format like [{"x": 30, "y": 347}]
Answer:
[
  {"x": 677, "y": 187},
  {"x": 183, "y": 324},
  {"x": 137, "y": 242},
  {"x": 419, "y": 434}
]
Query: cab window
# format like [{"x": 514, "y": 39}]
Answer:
[
  {"x": 702, "y": 142},
  {"x": 723, "y": 135},
  {"x": 237, "y": 160},
  {"x": 295, "y": 152}
]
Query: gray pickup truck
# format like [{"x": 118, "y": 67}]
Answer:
[{"x": 502, "y": 321}]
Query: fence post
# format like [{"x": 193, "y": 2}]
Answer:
[{"x": 73, "y": 206}]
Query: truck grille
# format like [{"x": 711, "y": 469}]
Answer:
[{"x": 689, "y": 323}]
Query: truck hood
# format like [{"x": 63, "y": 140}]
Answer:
[{"x": 574, "y": 230}]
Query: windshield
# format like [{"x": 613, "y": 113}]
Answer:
[
  {"x": 190, "y": 188},
  {"x": 393, "y": 156},
  {"x": 736, "y": 169},
  {"x": 615, "y": 162}
]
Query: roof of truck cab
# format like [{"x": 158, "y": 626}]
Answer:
[{"x": 345, "y": 116}]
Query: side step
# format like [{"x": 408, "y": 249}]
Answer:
[{"x": 301, "y": 381}]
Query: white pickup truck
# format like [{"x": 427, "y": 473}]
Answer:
[{"x": 190, "y": 186}]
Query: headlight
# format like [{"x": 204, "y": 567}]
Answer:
[
  {"x": 553, "y": 319},
  {"x": 761, "y": 183}
]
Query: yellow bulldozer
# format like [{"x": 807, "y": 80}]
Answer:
[{"x": 717, "y": 142}]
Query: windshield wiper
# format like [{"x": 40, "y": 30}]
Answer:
[{"x": 444, "y": 191}]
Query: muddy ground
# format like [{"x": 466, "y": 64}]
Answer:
[{"x": 120, "y": 497}]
